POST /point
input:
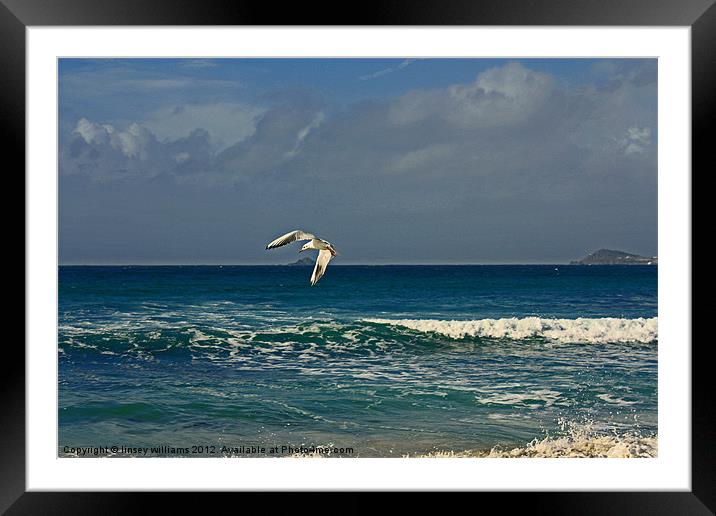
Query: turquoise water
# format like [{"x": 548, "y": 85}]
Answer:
[{"x": 200, "y": 358}]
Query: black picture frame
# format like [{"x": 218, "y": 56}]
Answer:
[{"x": 16, "y": 15}]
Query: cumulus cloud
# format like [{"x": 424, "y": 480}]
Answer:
[
  {"x": 132, "y": 142},
  {"x": 516, "y": 130},
  {"x": 105, "y": 153},
  {"x": 500, "y": 96},
  {"x": 515, "y": 152}
]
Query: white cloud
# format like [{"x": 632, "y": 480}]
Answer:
[
  {"x": 415, "y": 159},
  {"x": 636, "y": 140},
  {"x": 105, "y": 153},
  {"x": 385, "y": 71},
  {"x": 315, "y": 123},
  {"x": 515, "y": 128},
  {"x": 93, "y": 133},
  {"x": 498, "y": 97},
  {"x": 226, "y": 122},
  {"x": 508, "y": 155},
  {"x": 132, "y": 142}
]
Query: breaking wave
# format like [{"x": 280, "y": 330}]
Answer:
[
  {"x": 582, "y": 330},
  {"x": 577, "y": 440}
]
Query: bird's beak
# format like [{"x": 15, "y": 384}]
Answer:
[{"x": 301, "y": 250}]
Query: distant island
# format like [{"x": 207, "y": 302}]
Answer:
[
  {"x": 611, "y": 257},
  {"x": 302, "y": 261}
]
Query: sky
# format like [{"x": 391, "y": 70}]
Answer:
[{"x": 394, "y": 161}]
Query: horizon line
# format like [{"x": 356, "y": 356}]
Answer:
[{"x": 333, "y": 264}]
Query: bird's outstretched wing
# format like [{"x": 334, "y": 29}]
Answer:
[
  {"x": 290, "y": 237},
  {"x": 324, "y": 257}
]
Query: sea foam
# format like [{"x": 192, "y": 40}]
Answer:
[
  {"x": 575, "y": 439},
  {"x": 581, "y": 330},
  {"x": 603, "y": 446}
]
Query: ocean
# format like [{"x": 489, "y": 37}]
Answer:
[{"x": 374, "y": 361}]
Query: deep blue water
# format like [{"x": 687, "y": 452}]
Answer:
[{"x": 239, "y": 356}]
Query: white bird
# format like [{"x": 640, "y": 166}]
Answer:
[{"x": 325, "y": 250}]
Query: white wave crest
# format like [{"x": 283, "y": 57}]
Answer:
[
  {"x": 576, "y": 439},
  {"x": 582, "y": 330},
  {"x": 602, "y": 446}
]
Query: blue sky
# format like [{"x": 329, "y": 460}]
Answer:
[{"x": 393, "y": 160}]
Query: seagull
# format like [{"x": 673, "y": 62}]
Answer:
[{"x": 325, "y": 250}]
